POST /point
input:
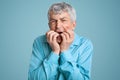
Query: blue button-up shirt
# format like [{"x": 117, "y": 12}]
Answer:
[{"x": 72, "y": 64}]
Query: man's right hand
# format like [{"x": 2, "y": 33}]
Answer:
[{"x": 52, "y": 40}]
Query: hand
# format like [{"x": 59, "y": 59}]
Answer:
[
  {"x": 51, "y": 39},
  {"x": 67, "y": 39}
]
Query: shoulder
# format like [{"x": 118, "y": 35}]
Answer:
[
  {"x": 85, "y": 46},
  {"x": 84, "y": 41},
  {"x": 41, "y": 38}
]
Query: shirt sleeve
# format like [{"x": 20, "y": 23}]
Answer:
[
  {"x": 42, "y": 68},
  {"x": 80, "y": 69}
]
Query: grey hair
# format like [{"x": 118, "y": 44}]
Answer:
[{"x": 58, "y": 8}]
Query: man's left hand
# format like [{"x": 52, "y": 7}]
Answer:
[{"x": 67, "y": 39}]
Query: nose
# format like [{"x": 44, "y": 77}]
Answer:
[{"x": 59, "y": 24}]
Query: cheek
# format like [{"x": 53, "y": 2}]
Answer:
[
  {"x": 52, "y": 27},
  {"x": 68, "y": 27}
]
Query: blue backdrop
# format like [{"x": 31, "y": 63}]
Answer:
[{"x": 21, "y": 21}]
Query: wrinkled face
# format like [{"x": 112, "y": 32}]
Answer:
[{"x": 60, "y": 23}]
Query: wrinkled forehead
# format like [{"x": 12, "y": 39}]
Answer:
[{"x": 59, "y": 15}]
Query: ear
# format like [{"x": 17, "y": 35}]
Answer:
[{"x": 74, "y": 25}]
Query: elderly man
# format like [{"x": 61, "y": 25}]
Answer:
[{"x": 61, "y": 54}]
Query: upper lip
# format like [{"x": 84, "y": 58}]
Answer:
[{"x": 59, "y": 32}]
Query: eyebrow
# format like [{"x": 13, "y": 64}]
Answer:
[{"x": 60, "y": 18}]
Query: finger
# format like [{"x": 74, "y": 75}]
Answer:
[
  {"x": 66, "y": 35},
  {"x": 48, "y": 34},
  {"x": 51, "y": 36},
  {"x": 63, "y": 37},
  {"x": 55, "y": 36},
  {"x": 70, "y": 33}
]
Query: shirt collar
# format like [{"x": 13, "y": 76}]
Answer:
[{"x": 75, "y": 41}]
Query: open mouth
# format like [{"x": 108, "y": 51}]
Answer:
[
  {"x": 59, "y": 32},
  {"x": 59, "y": 38}
]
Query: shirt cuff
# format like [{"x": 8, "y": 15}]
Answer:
[
  {"x": 65, "y": 56},
  {"x": 53, "y": 58}
]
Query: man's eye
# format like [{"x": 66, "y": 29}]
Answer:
[
  {"x": 52, "y": 21},
  {"x": 64, "y": 20}
]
